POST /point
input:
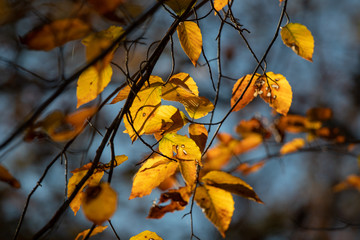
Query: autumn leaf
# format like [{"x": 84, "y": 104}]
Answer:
[
  {"x": 56, "y": 33},
  {"x": 99, "y": 203},
  {"x": 292, "y": 146},
  {"x": 199, "y": 134},
  {"x": 248, "y": 127},
  {"x": 219, "y": 4},
  {"x": 190, "y": 39},
  {"x": 105, "y": 6},
  {"x": 352, "y": 181},
  {"x": 217, "y": 204},
  {"x": 319, "y": 114},
  {"x": 247, "y": 96},
  {"x": 299, "y": 39},
  {"x": 179, "y": 199},
  {"x": 153, "y": 172},
  {"x": 146, "y": 235},
  {"x": 178, "y": 6},
  {"x": 231, "y": 184},
  {"x": 182, "y": 88},
  {"x": 5, "y": 176},
  {"x": 246, "y": 168},
  {"x": 97, "y": 230}
]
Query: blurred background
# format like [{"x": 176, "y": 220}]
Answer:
[{"x": 296, "y": 189}]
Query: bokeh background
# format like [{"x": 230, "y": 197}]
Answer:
[{"x": 296, "y": 189}]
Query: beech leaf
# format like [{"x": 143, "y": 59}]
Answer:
[
  {"x": 199, "y": 134},
  {"x": 99, "y": 203},
  {"x": 217, "y": 204},
  {"x": 238, "y": 91},
  {"x": 292, "y": 146},
  {"x": 178, "y": 6},
  {"x": 56, "y": 33},
  {"x": 220, "y": 4},
  {"x": 190, "y": 39},
  {"x": 146, "y": 235},
  {"x": 97, "y": 230},
  {"x": 299, "y": 39},
  {"x": 153, "y": 172},
  {"x": 5, "y": 176},
  {"x": 231, "y": 184}
]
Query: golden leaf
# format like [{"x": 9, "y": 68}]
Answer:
[
  {"x": 122, "y": 94},
  {"x": 178, "y": 6},
  {"x": 219, "y": 4},
  {"x": 231, "y": 184},
  {"x": 239, "y": 88},
  {"x": 352, "y": 181},
  {"x": 146, "y": 235},
  {"x": 97, "y": 230},
  {"x": 99, "y": 203},
  {"x": 249, "y": 127},
  {"x": 246, "y": 169},
  {"x": 276, "y": 91},
  {"x": 190, "y": 39},
  {"x": 199, "y": 134},
  {"x": 56, "y": 33},
  {"x": 5, "y": 176},
  {"x": 151, "y": 174},
  {"x": 299, "y": 39},
  {"x": 292, "y": 146},
  {"x": 179, "y": 199},
  {"x": 250, "y": 142},
  {"x": 217, "y": 204}
]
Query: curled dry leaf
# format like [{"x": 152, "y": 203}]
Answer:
[
  {"x": 56, "y": 33},
  {"x": 190, "y": 39},
  {"x": 99, "y": 203},
  {"x": 299, "y": 39}
]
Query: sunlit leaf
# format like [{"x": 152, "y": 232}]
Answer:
[
  {"x": 190, "y": 39},
  {"x": 217, "y": 204},
  {"x": 99, "y": 203},
  {"x": 151, "y": 174},
  {"x": 168, "y": 183},
  {"x": 231, "y": 184},
  {"x": 299, "y": 39},
  {"x": 247, "y": 96},
  {"x": 146, "y": 235},
  {"x": 352, "y": 181},
  {"x": 292, "y": 146},
  {"x": 199, "y": 134},
  {"x": 179, "y": 199},
  {"x": 249, "y": 143},
  {"x": 219, "y": 4},
  {"x": 78, "y": 174},
  {"x": 122, "y": 94},
  {"x": 5, "y": 176},
  {"x": 246, "y": 169},
  {"x": 143, "y": 108},
  {"x": 56, "y": 33},
  {"x": 178, "y": 6},
  {"x": 97, "y": 230},
  {"x": 292, "y": 123},
  {"x": 249, "y": 127}
]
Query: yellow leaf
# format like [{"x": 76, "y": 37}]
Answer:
[
  {"x": 99, "y": 203},
  {"x": 146, "y": 235},
  {"x": 199, "y": 134},
  {"x": 91, "y": 83},
  {"x": 217, "y": 204},
  {"x": 239, "y": 88},
  {"x": 179, "y": 199},
  {"x": 246, "y": 169},
  {"x": 299, "y": 39},
  {"x": 292, "y": 146},
  {"x": 122, "y": 95},
  {"x": 83, "y": 234},
  {"x": 219, "y": 4},
  {"x": 250, "y": 142},
  {"x": 182, "y": 88},
  {"x": 5, "y": 176},
  {"x": 78, "y": 174},
  {"x": 178, "y": 6},
  {"x": 143, "y": 108},
  {"x": 190, "y": 39},
  {"x": 231, "y": 184},
  {"x": 151, "y": 174},
  {"x": 56, "y": 33},
  {"x": 276, "y": 91}
]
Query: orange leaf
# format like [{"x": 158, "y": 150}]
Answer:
[
  {"x": 146, "y": 235},
  {"x": 153, "y": 172},
  {"x": 231, "y": 184},
  {"x": 319, "y": 114},
  {"x": 277, "y": 92},
  {"x": 217, "y": 204},
  {"x": 199, "y": 134},
  {"x": 56, "y": 33},
  {"x": 99, "y": 203},
  {"x": 219, "y": 4},
  {"x": 292, "y": 146},
  {"x": 246, "y": 169},
  {"x": 83, "y": 234},
  {"x": 5, "y": 176},
  {"x": 249, "y": 127},
  {"x": 238, "y": 91},
  {"x": 250, "y": 142},
  {"x": 299, "y": 39},
  {"x": 179, "y": 199},
  {"x": 352, "y": 181},
  {"x": 190, "y": 39}
]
